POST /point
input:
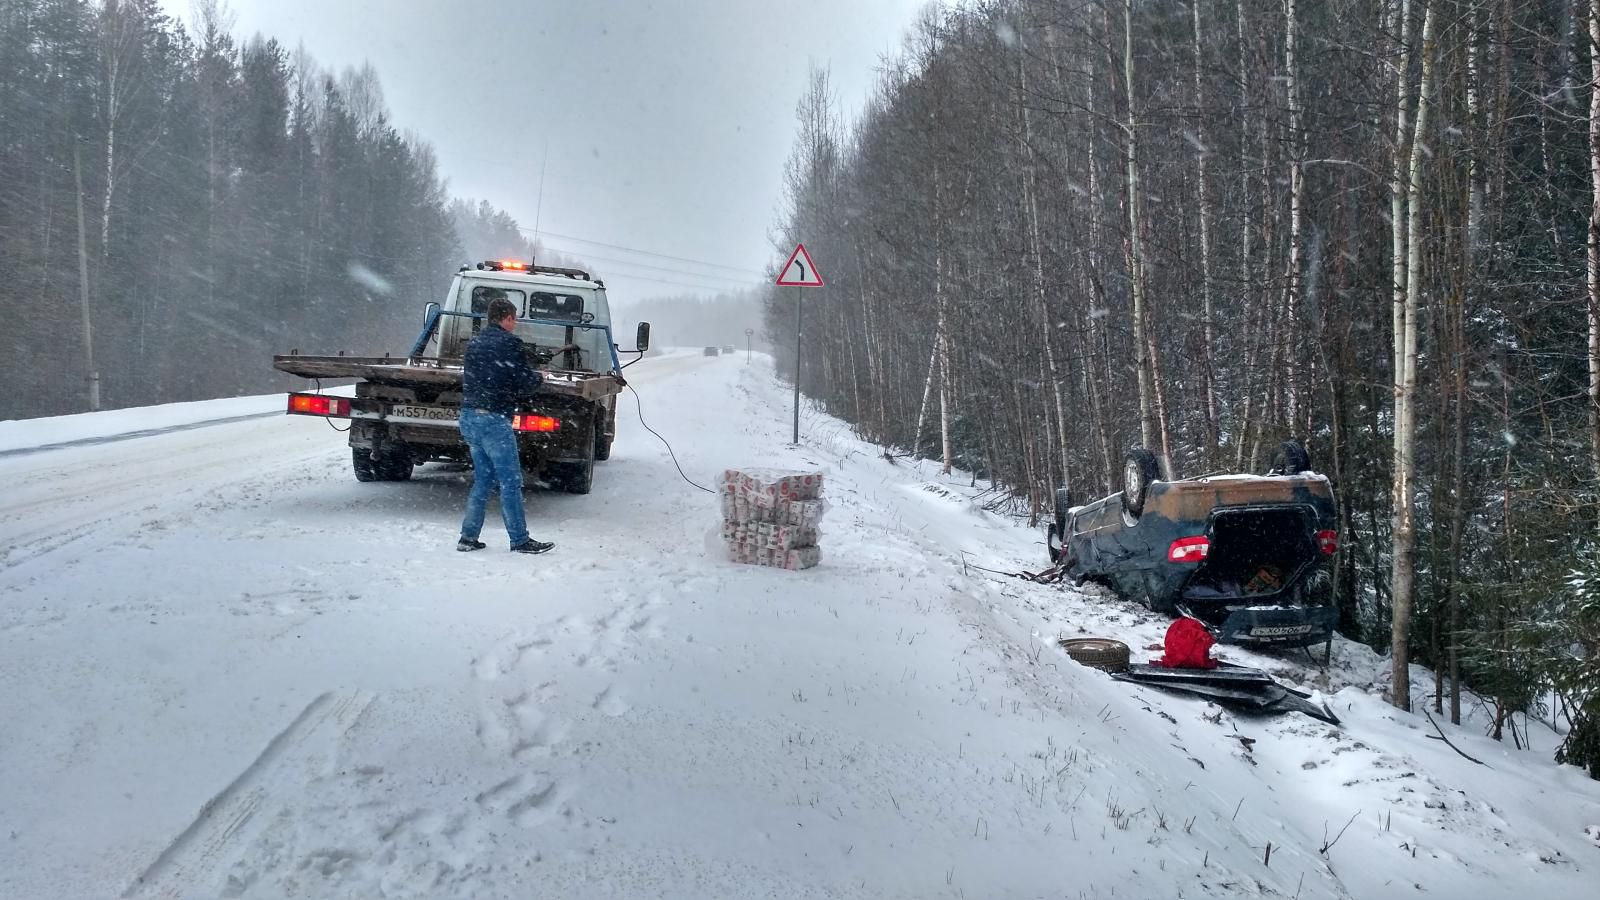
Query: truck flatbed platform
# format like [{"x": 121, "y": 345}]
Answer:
[{"x": 442, "y": 374}]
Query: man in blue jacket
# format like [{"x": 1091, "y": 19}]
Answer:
[{"x": 496, "y": 378}]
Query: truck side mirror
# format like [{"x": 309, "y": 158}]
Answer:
[
  {"x": 641, "y": 338},
  {"x": 428, "y": 311}
]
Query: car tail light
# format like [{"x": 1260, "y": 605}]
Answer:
[
  {"x": 1189, "y": 549},
  {"x": 1328, "y": 542},
  {"x": 525, "y": 422},
  {"x": 318, "y": 405}
]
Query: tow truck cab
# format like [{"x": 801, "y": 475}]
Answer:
[{"x": 551, "y": 295}]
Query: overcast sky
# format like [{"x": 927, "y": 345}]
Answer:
[{"x": 667, "y": 123}]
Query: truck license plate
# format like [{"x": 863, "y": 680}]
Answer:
[
  {"x": 435, "y": 413},
  {"x": 1280, "y": 630}
]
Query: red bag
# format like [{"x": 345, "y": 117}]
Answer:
[{"x": 1188, "y": 646}]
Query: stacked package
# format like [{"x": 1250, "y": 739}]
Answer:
[{"x": 771, "y": 518}]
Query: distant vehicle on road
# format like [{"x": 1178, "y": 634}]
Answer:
[
  {"x": 1246, "y": 554},
  {"x": 711, "y": 351},
  {"x": 727, "y": 348}
]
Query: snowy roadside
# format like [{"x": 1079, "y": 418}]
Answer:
[
  {"x": 57, "y": 432},
  {"x": 1446, "y": 823},
  {"x": 265, "y": 680}
]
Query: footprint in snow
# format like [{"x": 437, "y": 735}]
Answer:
[{"x": 610, "y": 704}]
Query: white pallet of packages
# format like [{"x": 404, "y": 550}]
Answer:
[
  {"x": 766, "y": 488},
  {"x": 771, "y": 536},
  {"x": 797, "y": 558}
]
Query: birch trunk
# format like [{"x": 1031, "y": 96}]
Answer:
[
  {"x": 1208, "y": 325},
  {"x": 1403, "y": 579},
  {"x": 944, "y": 396},
  {"x": 1135, "y": 239},
  {"x": 1400, "y": 25},
  {"x": 1594, "y": 239},
  {"x": 1240, "y": 431},
  {"x": 1474, "y": 239},
  {"x": 934, "y": 355},
  {"x": 1293, "y": 285},
  {"x": 1042, "y": 308},
  {"x": 118, "y": 38},
  {"x": 1093, "y": 341}
]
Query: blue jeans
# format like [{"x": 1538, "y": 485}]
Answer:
[{"x": 494, "y": 464}]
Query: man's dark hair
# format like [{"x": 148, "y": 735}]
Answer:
[{"x": 500, "y": 307}]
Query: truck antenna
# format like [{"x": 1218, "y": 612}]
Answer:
[{"x": 538, "y": 207}]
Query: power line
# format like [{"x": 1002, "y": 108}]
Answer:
[
  {"x": 685, "y": 259},
  {"x": 697, "y": 287},
  {"x": 745, "y": 280}
]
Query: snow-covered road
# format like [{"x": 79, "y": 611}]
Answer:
[{"x": 227, "y": 669}]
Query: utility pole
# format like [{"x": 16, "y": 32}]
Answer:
[{"x": 83, "y": 286}]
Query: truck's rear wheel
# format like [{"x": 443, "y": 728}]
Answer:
[
  {"x": 361, "y": 462},
  {"x": 604, "y": 436},
  {"x": 573, "y": 477},
  {"x": 394, "y": 463}
]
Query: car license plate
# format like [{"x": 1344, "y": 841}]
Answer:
[
  {"x": 1280, "y": 630},
  {"x": 433, "y": 413}
]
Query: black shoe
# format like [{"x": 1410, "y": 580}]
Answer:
[
  {"x": 532, "y": 546},
  {"x": 466, "y": 546}
]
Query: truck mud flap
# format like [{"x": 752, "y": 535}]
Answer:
[{"x": 1287, "y": 626}]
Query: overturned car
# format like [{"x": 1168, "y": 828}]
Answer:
[{"x": 1246, "y": 554}]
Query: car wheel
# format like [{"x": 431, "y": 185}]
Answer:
[
  {"x": 1139, "y": 469},
  {"x": 1291, "y": 459},
  {"x": 1063, "y": 504},
  {"x": 1098, "y": 653}
]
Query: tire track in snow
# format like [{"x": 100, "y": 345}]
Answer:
[
  {"x": 55, "y": 501},
  {"x": 196, "y": 850}
]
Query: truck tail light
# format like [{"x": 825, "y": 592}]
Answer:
[
  {"x": 1328, "y": 542},
  {"x": 318, "y": 405},
  {"x": 1189, "y": 549},
  {"x": 527, "y": 422}
]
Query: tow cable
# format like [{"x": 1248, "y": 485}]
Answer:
[{"x": 639, "y": 408}]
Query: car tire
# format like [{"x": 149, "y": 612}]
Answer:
[
  {"x": 1139, "y": 469},
  {"x": 602, "y": 447},
  {"x": 1291, "y": 459},
  {"x": 1063, "y": 504},
  {"x": 1098, "y": 653}
]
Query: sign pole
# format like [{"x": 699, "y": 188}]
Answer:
[
  {"x": 748, "y": 332},
  {"x": 799, "y": 295},
  {"x": 799, "y": 272}
]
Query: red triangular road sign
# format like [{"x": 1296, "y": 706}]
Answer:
[{"x": 799, "y": 271}]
